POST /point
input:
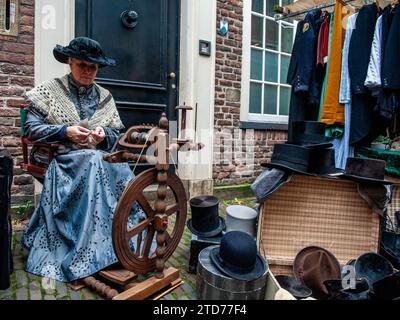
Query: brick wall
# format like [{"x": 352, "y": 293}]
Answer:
[
  {"x": 237, "y": 153},
  {"x": 16, "y": 76}
]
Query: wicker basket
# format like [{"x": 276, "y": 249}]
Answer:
[{"x": 324, "y": 212}]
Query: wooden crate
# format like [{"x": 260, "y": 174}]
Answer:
[{"x": 324, "y": 212}]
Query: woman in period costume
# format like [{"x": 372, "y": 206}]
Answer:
[{"x": 69, "y": 234}]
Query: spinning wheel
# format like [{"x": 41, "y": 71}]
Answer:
[{"x": 142, "y": 260}]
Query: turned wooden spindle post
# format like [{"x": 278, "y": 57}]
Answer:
[{"x": 161, "y": 219}]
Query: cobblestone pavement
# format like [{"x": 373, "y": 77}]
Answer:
[{"x": 25, "y": 286}]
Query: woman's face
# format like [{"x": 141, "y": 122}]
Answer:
[{"x": 84, "y": 72}]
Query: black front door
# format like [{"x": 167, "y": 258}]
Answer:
[{"x": 142, "y": 35}]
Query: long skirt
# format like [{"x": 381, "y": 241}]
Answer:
[{"x": 69, "y": 234}]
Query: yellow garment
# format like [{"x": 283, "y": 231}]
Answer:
[{"x": 332, "y": 110}]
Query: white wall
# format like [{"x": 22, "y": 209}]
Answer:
[
  {"x": 54, "y": 24},
  {"x": 197, "y": 83}
]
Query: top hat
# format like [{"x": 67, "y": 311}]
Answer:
[
  {"x": 312, "y": 266},
  {"x": 295, "y": 287},
  {"x": 322, "y": 162},
  {"x": 310, "y": 134},
  {"x": 289, "y": 157},
  {"x": 372, "y": 267},
  {"x": 83, "y": 48},
  {"x": 237, "y": 257},
  {"x": 205, "y": 221},
  {"x": 365, "y": 170},
  {"x": 361, "y": 291}
]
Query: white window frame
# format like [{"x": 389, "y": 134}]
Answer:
[{"x": 245, "y": 115}]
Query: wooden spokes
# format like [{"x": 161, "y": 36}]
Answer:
[{"x": 141, "y": 260}]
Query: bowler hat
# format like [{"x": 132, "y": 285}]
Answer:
[
  {"x": 310, "y": 134},
  {"x": 83, "y": 48},
  {"x": 322, "y": 162},
  {"x": 205, "y": 221},
  {"x": 295, "y": 287},
  {"x": 289, "y": 157},
  {"x": 365, "y": 170},
  {"x": 312, "y": 266},
  {"x": 372, "y": 267},
  {"x": 237, "y": 256}
]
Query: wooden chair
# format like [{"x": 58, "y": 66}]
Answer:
[{"x": 36, "y": 170}]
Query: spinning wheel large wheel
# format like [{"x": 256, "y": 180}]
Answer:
[{"x": 141, "y": 260}]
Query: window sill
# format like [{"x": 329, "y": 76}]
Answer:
[{"x": 263, "y": 125}]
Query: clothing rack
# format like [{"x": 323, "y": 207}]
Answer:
[{"x": 282, "y": 15}]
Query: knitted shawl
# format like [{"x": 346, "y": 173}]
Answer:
[{"x": 52, "y": 98}]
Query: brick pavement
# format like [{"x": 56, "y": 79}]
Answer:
[{"x": 25, "y": 286}]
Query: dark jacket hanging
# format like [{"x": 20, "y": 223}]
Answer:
[
  {"x": 361, "y": 128},
  {"x": 360, "y": 47},
  {"x": 6, "y": 174},
  {"x": 391, "y": 58},
  {"x": 302, "y": 74}
]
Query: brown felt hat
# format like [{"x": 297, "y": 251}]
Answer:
[{"x": 312, "y": 266}]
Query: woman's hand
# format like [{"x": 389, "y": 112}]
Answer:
[
  {"x": 98, "y": 135},
  {"x": 78, "y": 134}
]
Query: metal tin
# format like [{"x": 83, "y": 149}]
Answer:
[
  {"x": 241, "y": 218},
  {"x": 213, "y": 285}
]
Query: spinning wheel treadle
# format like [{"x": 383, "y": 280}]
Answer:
[{"x": 139, "y": 261}]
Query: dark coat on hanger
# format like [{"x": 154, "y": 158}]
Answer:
[
  {"x": 362, "y": 114},
  {"x": 302, "y": 63},
  {"x": 391, "y": 59},
  {"x": 360, "y": 47},
  {"x": 6, "y": 265},
  {"x": 302, "y": 73}
]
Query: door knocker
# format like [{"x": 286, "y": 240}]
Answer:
[{"x": 129, "y": 19}]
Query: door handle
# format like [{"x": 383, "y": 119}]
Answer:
[{"x": 172, "y": 75}]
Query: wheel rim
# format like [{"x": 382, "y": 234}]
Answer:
[{"x": 139, "y": 261}]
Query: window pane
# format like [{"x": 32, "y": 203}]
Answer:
[
  {"x": 255, "y": 98},
  {"x": 287, "y": 38},
  {"x": 271, "y": 35},
  {"x": 270, "y": 99},
  {"x": 270, "y": 7},
  {"x": 256, "y": 31},
  {"x": 284, "y": 101},
  {"x": 271, "y": 67},
  {"x": 258, "y": 6},
  {"x": 256, "y": 64},
  {"x": 285, "y": 61}
]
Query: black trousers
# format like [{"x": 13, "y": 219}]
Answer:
[{"x": 6, "y": 264}]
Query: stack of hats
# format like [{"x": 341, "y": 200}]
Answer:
[
  {"x": 309, "y": 152},
  {"x": 371, "y": 276}
]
